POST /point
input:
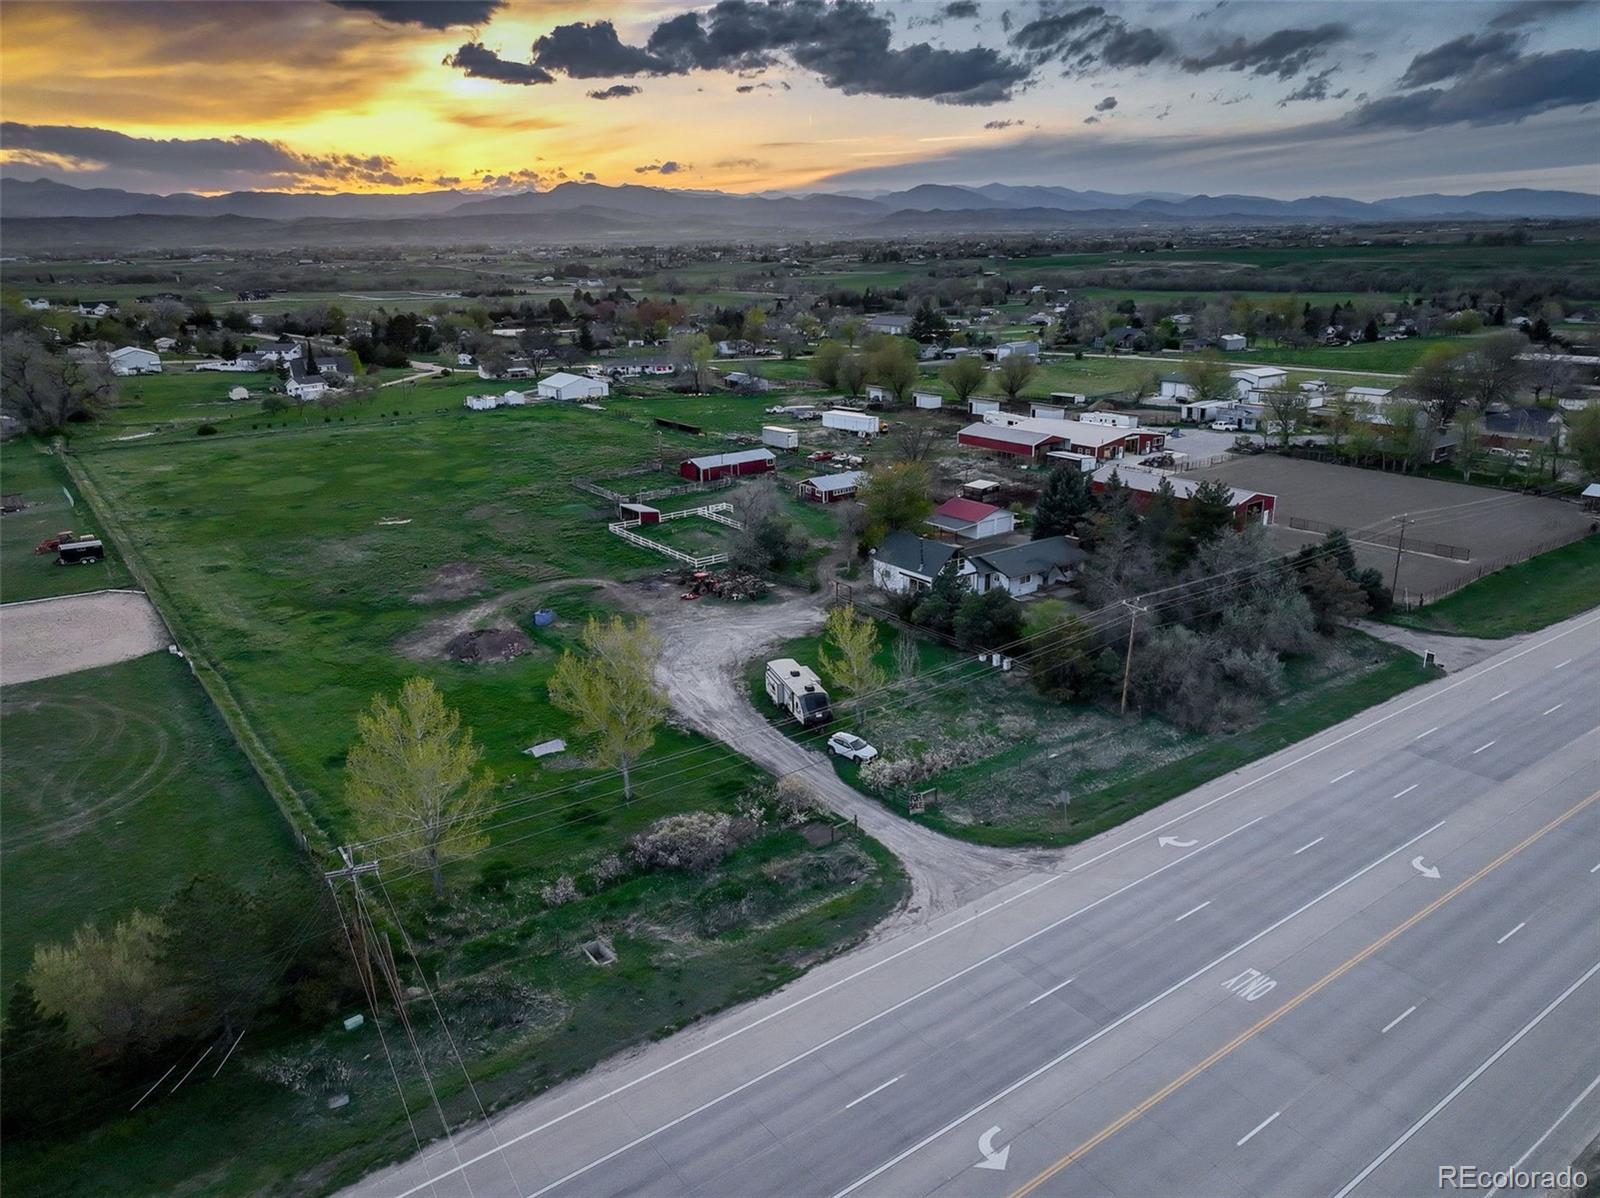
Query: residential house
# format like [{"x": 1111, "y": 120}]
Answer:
[
  {"x": 970, "y": 520},
  {"x": 95, "y": 307},
  {"x": 1126, "y": 337},
  {"x": 565, "y": 386},
  {"x": 1524, "y": 427},
  {"x": 1025, "y": 568},
  {"x": 281, "y": 351},
  {"x": 895, "y": 324},
  {"x": 906, "y": 563},
  {"x": 130, "y": 359},
  {"x": 711, "y": 466},
  {"x": 305, "y": 384},
  {"x": 165, "y": 345},
  {"x": 830, "y": 488},
  {"x": 515, "y": 368},
  {"x": 36, "y": 305},
  {"x": 1249, "y": 507}
]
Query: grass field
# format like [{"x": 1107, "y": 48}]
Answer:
[
  {"x": 1046, "y": 773},
  {"x": 27, "y": 470},
  {"x": 116, "y": 786},
  {"x": 1522, "y": 598}
]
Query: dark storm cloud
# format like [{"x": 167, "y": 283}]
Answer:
[
  {"x": 1464, "y": 54},
  {"x": 615, "y": 92},
  {"x": 846, "y": 43},
  {"x": 1089, "y": 38},
  {"x": 427, "y": 14},
  {"x": 959, "y": 10},
  {"x": 1499, "y": 95},
  {"x": 481, "y": 63},
  {"x": 1285, "y": 53}
]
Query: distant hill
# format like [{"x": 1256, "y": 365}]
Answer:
[{"x": 43, "y": 213}]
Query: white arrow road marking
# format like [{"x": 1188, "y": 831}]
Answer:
[
  {"x": 1427, "y": 871},
  {"x": 1388, "y": 1027},
  {"x": 1249, "y": 1135},
  {"x": 1172, "y": 842},
  {"x": 991, "y": 1158}
]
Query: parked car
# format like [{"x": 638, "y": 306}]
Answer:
[
  {"x": 1224, "y": 426},
  {"x": 852, "y": 747}
]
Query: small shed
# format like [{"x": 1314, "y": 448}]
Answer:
[
  {"x": 1047, "y": 411},
  {"x": 643, "y": 513},
  {"x": 980, "y": 488},
  {"x": 1232, "y": 341},
  {"x": 778, "y": 437},
  {"x": 879, "y": 394},
  {"x": 928, "y": 401},
  {"x": 980, "y": 406},
  {"x": 829, "y": 488}
]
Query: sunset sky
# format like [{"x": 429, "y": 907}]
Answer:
[{"x": 1349, "y": 98}]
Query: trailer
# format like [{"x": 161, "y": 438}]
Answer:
[
  {"x": 776, "y": 436},
  {"x": 797, "y": 690},
  {"x": 862, "y": 424},
  {"x": 84, "y": 552}
]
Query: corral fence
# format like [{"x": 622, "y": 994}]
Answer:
[
  {"x": 1409, "y": 600},
  {"x": 644, "y": 495},
  {"x": 1391, "y": 540},
  {"x": 715, "y": 512}
]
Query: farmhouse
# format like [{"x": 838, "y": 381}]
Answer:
[
  {"x": 309, "y": 382},
  {"x": 1023, "y": 569},
  {"x": 282, "y": 350},
  {"x": 830, "y": 488},
  {"x": 562, "y": 385},
  {"x": 970, "y": 520},
  {"x": 1249, "y": 507},
  {"x": 906, "y": 563},
  {"x": 728, "y": 465},
  {"x": 130, "y": 359},
  {"x": 95, "y": 307}
]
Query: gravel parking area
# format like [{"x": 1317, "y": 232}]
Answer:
[
  {"x": 1497, "y": 527},
  {"x": 47, "y": 637}
]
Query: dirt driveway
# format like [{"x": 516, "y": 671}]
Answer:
[
  {"x": 42, "y": 638},
  {"x": 705, "y": 648}
]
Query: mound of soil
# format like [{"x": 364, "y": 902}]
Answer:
[
  {"x": 488, "y": 645},
  {"x": 453, "y": 580}
]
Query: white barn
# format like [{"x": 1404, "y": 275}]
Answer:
[
  {"x": 562, "y": 385},
  {"x": 130, "y": 359}
]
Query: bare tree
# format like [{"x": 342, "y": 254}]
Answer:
[
  {"x": 45, "y": 390},
  {"x": 1015, "y": 372}
]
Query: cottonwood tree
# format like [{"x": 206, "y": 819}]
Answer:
[
  {"x": 1286, "y": 410},
  {"x": 693, "y": 351},
  {"x": 413, "y": 779},
  {"x": 1208, "y": 378},
  {"x": 1016, "y": 371},
  {"x": 963, "y": 376},
  {"x": 1493, "y": 369},
  {"x": 907, "y": 658},
  {"x": 45, "y": 390},
  {"x": 853, "y": 639},
  {"x": 610, "y": 689},
  {"x": 825, "y": 360},
  {"x": 892, "y": 363},
  {"x": 895, "y": 497},
  {"x": 107, "y": 986},
  {"x": 1583, "y": 439}
]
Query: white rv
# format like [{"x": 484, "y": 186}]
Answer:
[{"x": 798, "y": 690}]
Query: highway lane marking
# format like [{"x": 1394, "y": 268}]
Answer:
[
  {"x": 1429, "y": 732},
  {"x": 1551, "y": 710},
  {"x": 1460, "y": 1086},
  {"x": 1444, "y": 689},
  {"x": 1512, "y": 932},
  {"x": 874, "y": 1090},
  {"x": 1290, "y": 1005},
  {"x": 1139, "y": 1010},
  {"x": 1568, "y": 662},
  {"x": 1262, "y": 1126},
  {"x": 1408, "y": 790},
  {"x": 1595, "y": 869},
  {"x": 1481, "y": 748},
  {"x": 818, "y": 1047},
  {"x": 1341, "y": 777},
  {"x": 1393, "y": 1023},
  {"x": 1549, "y": 1131},
  {"x": 1313, "y": 844},
  {"x": 1192, "y": 910},
  {"x": 1049, "y": 992}
]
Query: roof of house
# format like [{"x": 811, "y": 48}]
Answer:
[
  {"x": 1031, "y": 557},
  {"x": 915, "y": 555},
  {"x": 1526, "y": 420},
  {"x": 737, "y": 457},
  {"x": 966, "y": 511},
  {"x": 1006, "y": 432},
  {"x": 835, "y": 482},
  {"x": 130, "y": 349}
]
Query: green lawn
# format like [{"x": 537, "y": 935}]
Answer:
[
  {"x": 26, "y": 469},
  {"x": 1521, "y": 598},
  {"x": 117, "y": 785},
  {"x": 1046, "y": 773}
]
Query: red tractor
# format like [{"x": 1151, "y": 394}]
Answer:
[{"x": 51, "y": 544}]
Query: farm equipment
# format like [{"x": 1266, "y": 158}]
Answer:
[
  {"x": 51, "y": 544},
  {"x": 85, "y": 551}
]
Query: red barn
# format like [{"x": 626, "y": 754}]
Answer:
[
  {"x": 1249, "y": 507},
  {"x": 999, "y": 438},
  {"x": 725, "y": 465}
]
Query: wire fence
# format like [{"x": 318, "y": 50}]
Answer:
[
  {"x": 1410, "y": 600},
  {"x": 1389, "y": 539}
]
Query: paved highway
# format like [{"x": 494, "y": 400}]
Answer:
[{"x": 1333, "y": 972}]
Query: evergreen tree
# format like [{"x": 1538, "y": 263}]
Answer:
[
  {"x": 1210, "y": 511},
  {"x": 937, "y": 609},
  {"x": 1065, "y": 503}
]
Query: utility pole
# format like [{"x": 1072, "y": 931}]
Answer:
[
  {"x": 353, "y": 872},
  {"x": 1400, "y": 548},
  {"x": 1134, "y": 611}
]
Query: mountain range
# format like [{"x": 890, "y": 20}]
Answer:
[{"x": 44, "y": 212}]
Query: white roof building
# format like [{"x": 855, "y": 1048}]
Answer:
[{"x": 562, "y": 385}]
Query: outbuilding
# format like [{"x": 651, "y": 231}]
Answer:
[
  {"x": 1232, "y": 341},
  {"x": 130, "y": 359},
  {"x": 562, "y": 385},
  {"x": 713, "y": 466},
  {"x": 862, "y": 424},
  {"x": 928, "y": 401},
  {"x": 830, "y": 488},
  {"x": 776, "y": 436},
  {"x": 1249, "y": 507},
  {"x": 999, "y": 438},
  {"x": 970, "y": 520}
]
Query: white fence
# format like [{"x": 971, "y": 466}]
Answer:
[{"x": 715, "y": 512}]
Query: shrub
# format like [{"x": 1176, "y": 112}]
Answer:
[
  {"x": 795, "y": 800},
  {"x": 206, "y": 430},
  {"x": 694, "y": 841},
  {"x": 608, "y": 869},
  {"x": 560, "y": 892}
]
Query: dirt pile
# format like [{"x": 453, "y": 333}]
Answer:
[{"x": 485, "y": 645}]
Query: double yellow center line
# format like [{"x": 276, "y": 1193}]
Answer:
[{"x": 1315, "y": 988}]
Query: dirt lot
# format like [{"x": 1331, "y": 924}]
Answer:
[
  {"x": 1496, "y": 526},
  {"x": 47, "y": 637}
]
